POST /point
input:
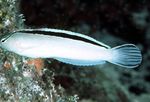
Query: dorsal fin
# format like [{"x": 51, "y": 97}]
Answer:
[{"x": 64, "y": 33}]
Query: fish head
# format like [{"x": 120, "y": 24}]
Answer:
[
  {"x": 16, "y": 42},
  {"x": 6, "y": 41}
]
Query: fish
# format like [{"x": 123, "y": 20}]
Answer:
[{"x": 69, "y": 47}]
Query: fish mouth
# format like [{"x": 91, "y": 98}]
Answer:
[{"x": 4, "y": 37}]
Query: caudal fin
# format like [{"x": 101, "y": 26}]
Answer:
[{"x": 127, "y": 55}]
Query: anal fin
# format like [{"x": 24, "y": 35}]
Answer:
[{"x": 80, "y": 62}]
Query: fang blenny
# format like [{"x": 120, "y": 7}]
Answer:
[{"x": 69, "y": 47}]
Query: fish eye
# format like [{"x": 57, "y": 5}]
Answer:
[{"x": 3, "y": 39}]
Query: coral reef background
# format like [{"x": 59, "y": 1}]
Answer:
[{"x": 113, "y": 22}]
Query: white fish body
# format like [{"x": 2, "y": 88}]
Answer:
[{"x": 69, "y": 47}]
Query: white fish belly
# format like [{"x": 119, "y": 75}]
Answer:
[{"x": 63, "y": 49}]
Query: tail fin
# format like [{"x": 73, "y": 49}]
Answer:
[{"x": 127, "y": 55}]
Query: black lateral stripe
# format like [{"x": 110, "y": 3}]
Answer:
[{"x": 74, "y": 37}]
